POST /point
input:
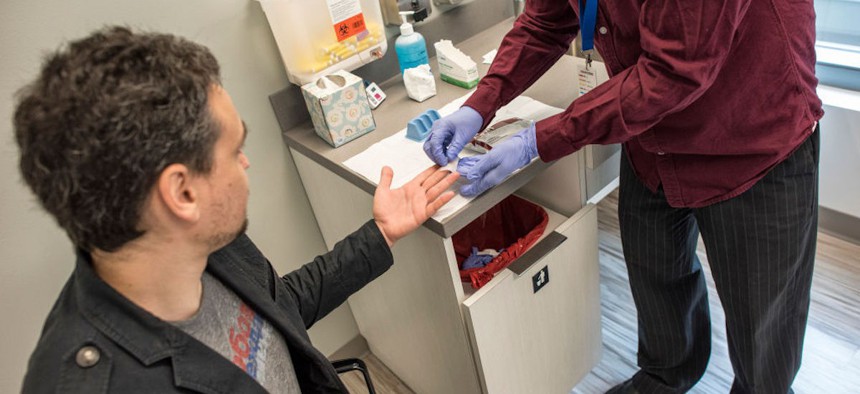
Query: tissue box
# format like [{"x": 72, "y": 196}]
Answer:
[{"x": 339, "y": 108}]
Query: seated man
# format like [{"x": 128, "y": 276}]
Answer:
[{"x": 132, "y": 144}]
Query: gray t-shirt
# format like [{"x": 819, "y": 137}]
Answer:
[{"x": 237, "y": 332}]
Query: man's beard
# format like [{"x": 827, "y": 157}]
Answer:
[{"x": 219, "y": 241}]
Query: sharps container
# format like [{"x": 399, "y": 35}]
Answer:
[{"x": 318, "y": 37}]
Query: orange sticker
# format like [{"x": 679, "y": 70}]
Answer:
[{"x": 349, "y": 27}]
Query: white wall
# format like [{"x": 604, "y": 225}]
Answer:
[
  {"x": 840, "y": 160},
  {"x": 37, "y": 257}
]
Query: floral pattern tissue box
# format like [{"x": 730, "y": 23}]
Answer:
[{"x": 339, "y": 108}]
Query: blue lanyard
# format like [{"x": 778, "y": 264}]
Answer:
[{"x": 587, "y": 23}]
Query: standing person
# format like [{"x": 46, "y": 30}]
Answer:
[
  {"x": 715, "y": 103},
  {"x": 132, "y": 144}
]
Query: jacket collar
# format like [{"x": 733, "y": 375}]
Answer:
[
  {"x": 146, "y": 337},
  {"x": 255, "y": 288},
  {"x": 239, "y": 268},
  {"x": 150, "y": 339}
]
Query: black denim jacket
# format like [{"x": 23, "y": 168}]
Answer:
[{"x": 95, "y": 340}]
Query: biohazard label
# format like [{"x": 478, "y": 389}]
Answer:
[{"x": 346, "y": 18}]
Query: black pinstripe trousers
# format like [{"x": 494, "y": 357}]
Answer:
[{"x": 761, "y": 249}]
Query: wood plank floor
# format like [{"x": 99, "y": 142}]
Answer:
[
  {"x": 384, "y": 381},
  {"x": 831, "y": 359}
]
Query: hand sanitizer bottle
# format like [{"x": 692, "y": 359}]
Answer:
[{"x": 410, "y": 46}]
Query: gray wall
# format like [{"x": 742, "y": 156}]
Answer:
[
  {"x": 840, "y": 160},
  {"x": 839, "y": 194},
  {"x": 37, "y": 257}
]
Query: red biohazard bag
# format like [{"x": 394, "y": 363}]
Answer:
[{"x": 513, "y": 225}]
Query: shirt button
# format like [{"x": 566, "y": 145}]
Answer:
[
  {"x": 603, "y": 30},
  {"x": 661, "y": 153},
  {"x": 87, "y": 356}
]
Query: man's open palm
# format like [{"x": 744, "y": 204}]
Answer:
[{"x": 400, "y": 211}]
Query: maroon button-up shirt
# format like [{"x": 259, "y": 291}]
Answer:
[{"x": 707, "y": 95}]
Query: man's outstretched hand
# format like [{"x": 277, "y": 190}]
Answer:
[{"x": 399, "y": 212}]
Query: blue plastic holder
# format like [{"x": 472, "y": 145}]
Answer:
[{"x": 418, "y": 128}]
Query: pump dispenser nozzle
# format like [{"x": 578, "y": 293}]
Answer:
[
  {"x": 406, "y": 28},
  {"x": 410, "y": 46}
]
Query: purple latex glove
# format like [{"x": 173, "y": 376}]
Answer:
[
  {"x": 450, "y": 134},
  {"x": 476, "y": 260},
  {"x": 488, "y": 170}
]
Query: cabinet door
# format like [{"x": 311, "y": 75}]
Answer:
[{"x": 543, "y": 341}]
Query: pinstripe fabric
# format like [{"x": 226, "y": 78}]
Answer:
[{"x": 761, "y": 248}]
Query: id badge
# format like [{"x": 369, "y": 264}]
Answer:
[{"x": 586, "y": 78}]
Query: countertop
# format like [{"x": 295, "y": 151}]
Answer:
[{"x": 556, "y": 88}]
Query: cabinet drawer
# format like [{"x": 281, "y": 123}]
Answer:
[{"x": 541, "y": 341}]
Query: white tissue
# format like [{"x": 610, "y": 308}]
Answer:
[
  {"x": 489, "y": 56},
  {"x": 330, "y": 83},
  {"x": 419, "y": 81}
]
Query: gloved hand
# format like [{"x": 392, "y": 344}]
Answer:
[
  {"x": 450, "y": 134},
  {"x": 488, "y": 170}
]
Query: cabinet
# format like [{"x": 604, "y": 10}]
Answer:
[
  {"x": 439, "y": 336},
  {"x": 436, "y": 333},
  {"x": 525, "y": 341}
]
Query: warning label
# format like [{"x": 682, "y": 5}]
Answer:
[
  {"x": 346, "y": 18},
  {"x": 349, "y": 27}
]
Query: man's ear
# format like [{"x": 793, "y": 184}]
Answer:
[{"x": 176, "y": 189}]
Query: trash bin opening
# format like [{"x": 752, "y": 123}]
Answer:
[{"x": 509, "y": 229}]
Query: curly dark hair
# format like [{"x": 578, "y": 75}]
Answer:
[{"x": 104, "y": 118}]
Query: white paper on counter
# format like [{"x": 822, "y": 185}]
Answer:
[
  {"x": 407, "y": 158},
  {"x": 489, "y": 56}
]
